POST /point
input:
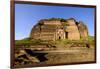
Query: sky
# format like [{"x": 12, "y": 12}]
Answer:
[{"x": 26, "y": 16}]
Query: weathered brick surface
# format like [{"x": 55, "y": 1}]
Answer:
[{"x": 54, "y": 30}]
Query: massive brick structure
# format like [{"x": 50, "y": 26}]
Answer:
[{"x": 56, "y": 29}]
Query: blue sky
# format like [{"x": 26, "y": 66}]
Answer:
[{"x": 26, "y": 16}]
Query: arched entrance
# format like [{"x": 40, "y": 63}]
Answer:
[
  {"x": 60, "y": 34},
  {"x": 66, "y": 35},
  {"x": 59, "y": 37}
]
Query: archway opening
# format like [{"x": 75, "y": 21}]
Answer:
[
  {"x": 59, "y": 37},
  {"x": 66, "y": 35}
]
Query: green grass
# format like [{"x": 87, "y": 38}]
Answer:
[
  {"x": 89, "y": 40},
  {"x": 29, "y": 41}
]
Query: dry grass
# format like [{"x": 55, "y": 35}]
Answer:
[{"x": 84, "y": 53}]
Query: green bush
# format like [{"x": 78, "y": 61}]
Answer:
[{"x": 27, "y": 42}]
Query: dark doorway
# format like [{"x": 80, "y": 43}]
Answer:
[
  {"x": 66, "y": 34},
  {"x": 59, "y": 37}
]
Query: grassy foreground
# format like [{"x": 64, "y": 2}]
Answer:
[
  {"x": 25, "y": 57},
  {"x": 29, "y": 41}
]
